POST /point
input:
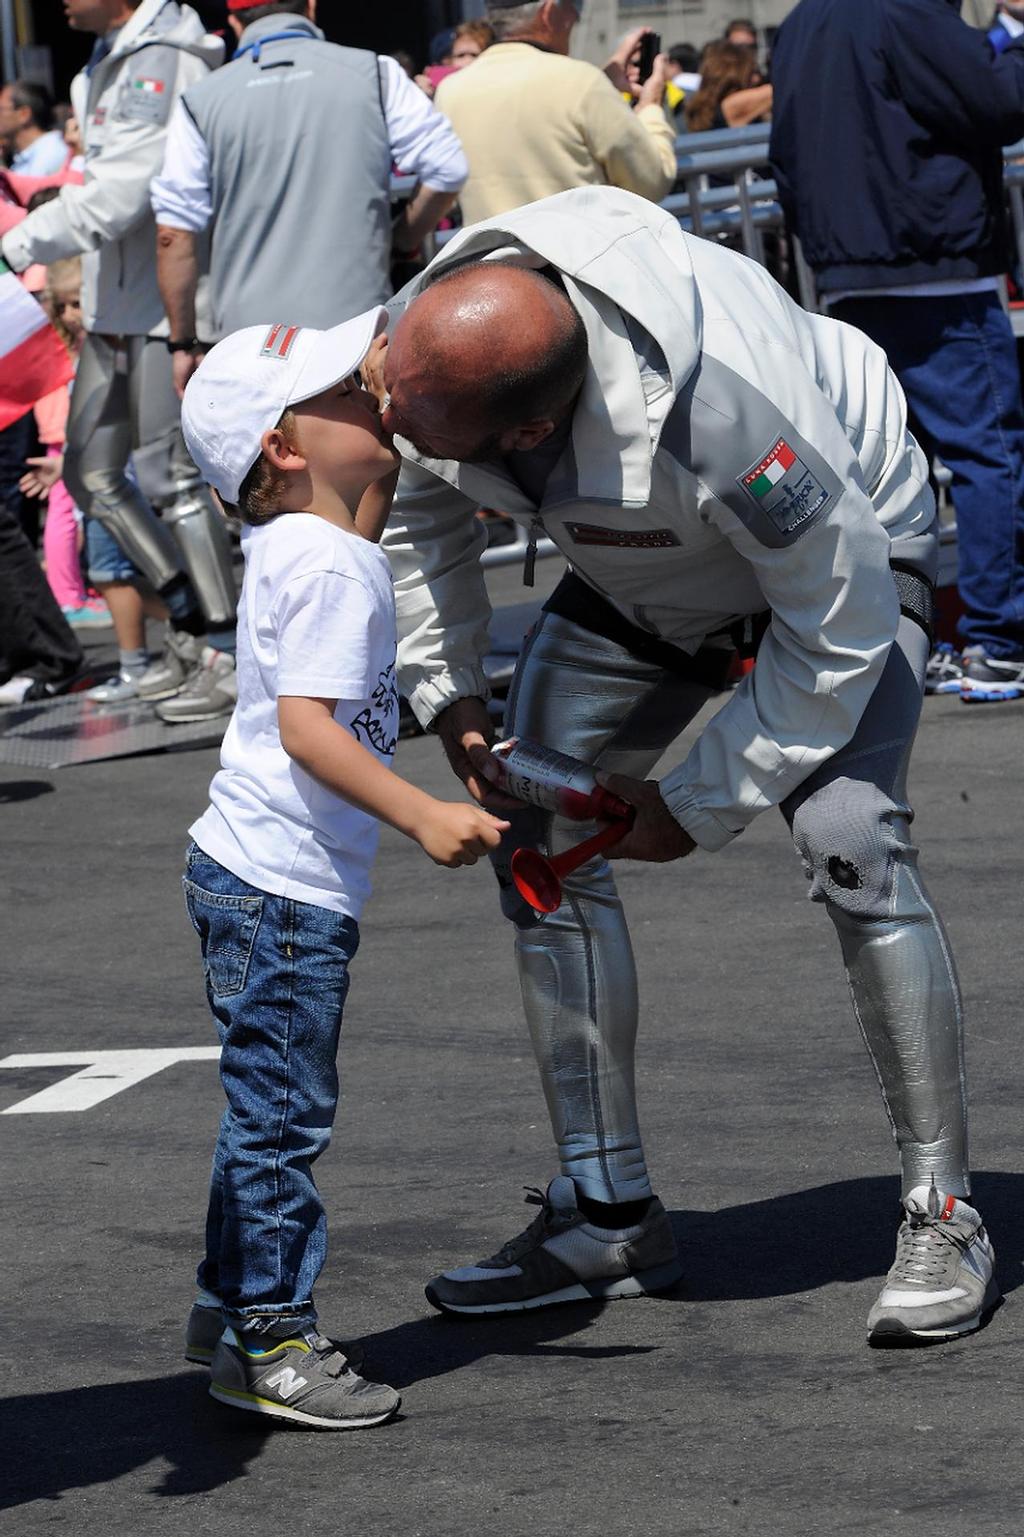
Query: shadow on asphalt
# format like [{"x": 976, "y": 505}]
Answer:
[
  {"x": 813, "y": 1238},
  {"x": 24, "y": 790},
  {"x": 55, "y": 1442}
]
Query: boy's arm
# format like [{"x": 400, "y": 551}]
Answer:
[
  {"x": 452, "y": 834},
  {"x": 372, "y": 512}
]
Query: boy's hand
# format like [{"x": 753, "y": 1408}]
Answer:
[{"x": 455, "y": 834}]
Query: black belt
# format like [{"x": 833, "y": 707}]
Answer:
[{"x": 572, "y": 599}]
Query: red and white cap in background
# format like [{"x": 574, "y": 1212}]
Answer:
[{"x": 246, "y": 382}]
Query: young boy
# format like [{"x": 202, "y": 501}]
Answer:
[{"x": 279, "y": 867}]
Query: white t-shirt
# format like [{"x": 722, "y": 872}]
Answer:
[{"x": 316, "y": 618}]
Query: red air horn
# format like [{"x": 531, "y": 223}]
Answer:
[
  {"x": 567, "y": 786},
  {"x": 539, "y": 880}
]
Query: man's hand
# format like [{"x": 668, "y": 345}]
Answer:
[
  {"x": 655, "y": 836},
  {"x": 615, "y": 68},
  {"x": 42, "y": 475},
  {"x": 184, "y": 365},
  {"x": 652, "y": 92},
  {"x": 466, "y": 734},
  {"x": 372, "y": 368}
]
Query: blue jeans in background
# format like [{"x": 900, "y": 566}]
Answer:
[
  {"x": 276, "y": 978},
  {"x": 956, "y": 359}
]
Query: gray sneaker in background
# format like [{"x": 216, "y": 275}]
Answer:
[
  {"x": 941, "y": 1283},
  {"x": 561, "y": 1257},
  {"x": 294, "y": 1373},
  {"x": 165, "y": 676},
  {"x": 211, "y": 690}
]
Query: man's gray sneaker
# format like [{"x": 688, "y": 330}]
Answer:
[
  {"x": 561, "y": 1257},
  {"x": 210, "y": 690},
  {"x": 166, "y": 675},
  {"x": 941, "y": 1284},
  {"x": 296, "y": 1375},
  {"x": 206, "y": 1325}
]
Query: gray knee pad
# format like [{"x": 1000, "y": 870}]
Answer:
[
  {"x": 848, "y": 835},
  {"x": 200, "y": 533},
  {"x": 105, "y": 493}
]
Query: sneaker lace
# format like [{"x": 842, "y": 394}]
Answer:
[
  {"x": 923, "y": 1248},
  {"x": 547, "y": 1221}
]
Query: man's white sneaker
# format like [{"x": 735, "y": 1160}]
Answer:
[
  {"x": 561, "y": 1257},
  {"x": 941, "y": 1283}
]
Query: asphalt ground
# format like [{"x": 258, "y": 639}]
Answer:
[{"x": 748, "y": 1402}]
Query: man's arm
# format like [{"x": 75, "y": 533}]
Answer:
[
  {"x": 115, "y": 195},
  {"x": 425, "y": 145},
  {"x": 182, "y": 203},
  {"x": 635, "y": 149},
  {"x": 950, "y": 79},
  {"x": 780, "y": 481}
]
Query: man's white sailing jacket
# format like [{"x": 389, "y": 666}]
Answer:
[{"x": 729, "y": 454}]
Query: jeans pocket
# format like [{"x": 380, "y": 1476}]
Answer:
[{"x": 227, "y": 925}]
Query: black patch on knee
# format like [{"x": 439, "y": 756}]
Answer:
[{"x": 843, "y": 873}]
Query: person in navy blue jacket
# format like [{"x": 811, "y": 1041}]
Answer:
[{"x": 888, "y": 122}]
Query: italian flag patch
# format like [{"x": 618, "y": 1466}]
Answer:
[
  {"x": 33, "y": 359},
  {"x": 147, "y": 83},
  {"x": 760, "y": 480}
]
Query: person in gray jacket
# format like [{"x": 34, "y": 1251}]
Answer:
[
  {"x": 285, "y": 157},
  {"x": 711, "y": 460},
  {"x": 123, "y": 401}
]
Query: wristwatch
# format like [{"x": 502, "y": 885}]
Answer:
[{"x": 183, "y": 344}]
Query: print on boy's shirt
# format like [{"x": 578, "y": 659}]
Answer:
[{"x": 381, "y": 731}]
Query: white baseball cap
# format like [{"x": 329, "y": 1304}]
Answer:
[{"x": 246, "y": 382}]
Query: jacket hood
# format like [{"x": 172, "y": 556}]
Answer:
[
  {"x": 174, "y": 26},
  {"x": 618, "y": 255}
]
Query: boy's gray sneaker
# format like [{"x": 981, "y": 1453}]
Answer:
[
  {"x": 206, "y": 1325},
  {"x": 941, "y": 1284},
  {"x": 561, "y": 1257},
  {"x": 166, "y": 675},
  {"x": 299, "y": 1376},
  {"x": 210, "y": 690},
  {"x": 203, "y": 1332}
]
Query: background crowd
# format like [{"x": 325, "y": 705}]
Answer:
[{"x": 170, "y": 202}]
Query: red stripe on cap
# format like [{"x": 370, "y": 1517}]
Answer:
[
  {"x": 285, "y": 345},
  {"x": 948, "y": 1208}
]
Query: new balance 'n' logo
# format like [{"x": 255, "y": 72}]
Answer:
[{"x": 286, "y": 1381}]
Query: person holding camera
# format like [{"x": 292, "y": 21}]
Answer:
[{"x": 534, "y": 122}]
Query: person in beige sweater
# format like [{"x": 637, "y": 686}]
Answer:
[{"x": 534, "y": 122}]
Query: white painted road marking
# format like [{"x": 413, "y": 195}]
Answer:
[{"x": 103, "y": 1074}]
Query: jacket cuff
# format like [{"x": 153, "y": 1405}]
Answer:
[
  {"x": 16, "y": 250},
  {"x": 435, "y": 694},
  {"x": 702, "y": 825}
]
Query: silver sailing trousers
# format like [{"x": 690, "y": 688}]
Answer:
[{"x": 850, "y": 821}]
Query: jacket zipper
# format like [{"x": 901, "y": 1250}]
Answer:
[{"x": 530, "y": 558}]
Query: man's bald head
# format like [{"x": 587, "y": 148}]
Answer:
[{"x": 489, "y": 351}]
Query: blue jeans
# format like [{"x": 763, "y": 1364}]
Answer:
[
  {"x": 957, "y": 362},
  {"x": 276, "y": 978}
]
